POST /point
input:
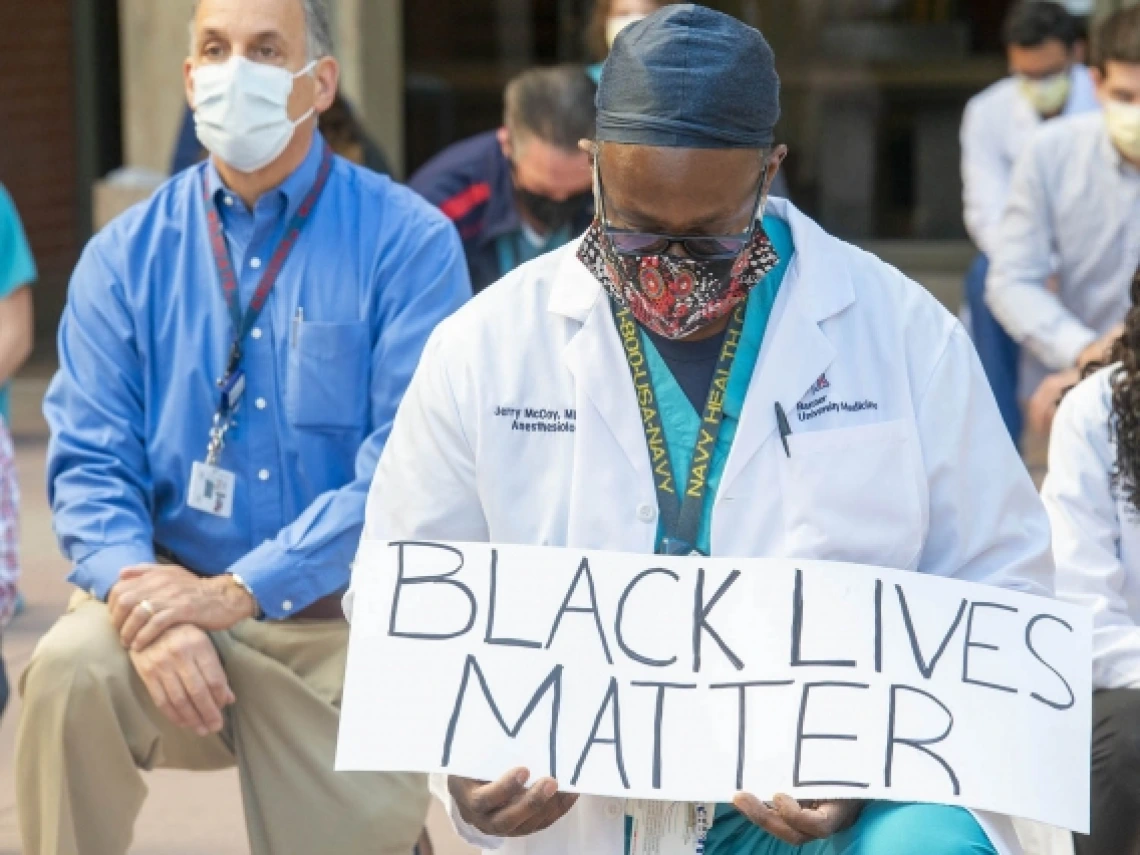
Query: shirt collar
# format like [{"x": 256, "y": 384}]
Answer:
[
  {"x": 292, "y": 190},
  {"x": 1112, "y": 156}
]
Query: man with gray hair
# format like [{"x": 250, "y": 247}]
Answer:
[
  {"x": 524, "y": 189},
  {"x": 231, "y": 359}
]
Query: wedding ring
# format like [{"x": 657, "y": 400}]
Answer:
[{"x": 147, "y": 607}]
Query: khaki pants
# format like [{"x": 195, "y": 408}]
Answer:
[{"x": 89, "y": 726}]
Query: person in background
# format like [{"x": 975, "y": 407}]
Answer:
[
  {"x": 17, "y": 333},
  {"x": 346, "y": 136},
  {"x": 1045, "y": 82},
  {"x": 523, "y": 190},
  {"x": 1092, "y": 494},
  {"x": 338, "y": 124},
  {"x": 232, "y": 356},
  {"x": 1073, "y": 219},
  {"x": 17, "y": 322},
  {"x": 608, "y": 19}
]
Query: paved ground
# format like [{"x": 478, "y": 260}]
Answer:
[{"x": 186, "y": 814}]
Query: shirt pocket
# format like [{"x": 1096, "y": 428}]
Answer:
[
  {"x": 852, "y": 495},
  {"x": 327, "y": 385}
]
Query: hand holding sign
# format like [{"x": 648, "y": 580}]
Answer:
[
  {"x": 799, "y": 823},
  {"x": 507, "y": 807}
]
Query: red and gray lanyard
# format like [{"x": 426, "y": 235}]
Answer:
[
  {"x": 680, "y": 517},
  {"x": 232, "y": 383}
]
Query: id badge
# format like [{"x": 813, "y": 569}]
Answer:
[
  {"x": 670, "y": 828},
  {"x": 233, "y": 389},
  {"x": 212, "y": 490}
]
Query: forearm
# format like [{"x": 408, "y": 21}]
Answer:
[
  {"x": 1035, "y": 318},
  {"x": 987, "y": 524},
  {"x": 98, "y": 468},
  {"x": 982, "y": 216},
  {"x": 16, "y": 332},
  {"x": 100, "y": 506},
  {"x": 98, "y": 571},
  {"x": 309, "y": 559}
]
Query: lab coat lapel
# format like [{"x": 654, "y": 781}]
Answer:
[
  {"x": 795, "y": 352},
  {"x": 595, "y": 357}
]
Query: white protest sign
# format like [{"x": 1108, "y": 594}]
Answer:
[{"x": 690, "y": 679}]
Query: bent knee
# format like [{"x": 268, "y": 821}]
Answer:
[
  {"x": 1116, "y": 734},
  {"x": 401, "y": 808},
  {"x": 81, "y": 649},
  {"x": 917, "y": 829}
]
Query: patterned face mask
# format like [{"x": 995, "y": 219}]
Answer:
[{"x": 674, "y": 297}]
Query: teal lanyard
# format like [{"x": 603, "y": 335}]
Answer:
[{"x": 680, "y": 517}]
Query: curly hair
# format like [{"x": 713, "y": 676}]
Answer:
[{"x": 1126, "y": 402}]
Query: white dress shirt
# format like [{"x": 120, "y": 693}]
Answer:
[
  {"x": 1096, "y": 531},
  {"x": 1074, "y": 210},
  {"x": 997, "y": 126}
]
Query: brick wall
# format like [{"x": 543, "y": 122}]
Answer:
[{"x": 37, "y": 138}]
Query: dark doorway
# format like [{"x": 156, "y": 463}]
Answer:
[{"x": 460, "y": 56}]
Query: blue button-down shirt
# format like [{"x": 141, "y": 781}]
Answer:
[{"x": 146, "y": 334}]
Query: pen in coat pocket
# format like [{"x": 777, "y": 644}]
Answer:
[{"x": 784, "y": 428}]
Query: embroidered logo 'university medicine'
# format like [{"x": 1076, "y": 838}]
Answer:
[{"x": 819, "y": 386}]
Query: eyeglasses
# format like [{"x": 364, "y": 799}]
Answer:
[{"x": 698, "y": 247}]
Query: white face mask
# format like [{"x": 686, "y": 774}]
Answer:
[
  {"x": 241, "y": 111},
  {"x": 1048, "y": 95},
  {"x": 618, "y": 23},
  {"x": 1124, "y": 127}
]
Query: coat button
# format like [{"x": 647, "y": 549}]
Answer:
[
  {"x": 646, "y": 513},
  {"x": 287, "y": 606}
]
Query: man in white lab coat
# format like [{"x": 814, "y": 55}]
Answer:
[
  {"x": 1042, "y": 40},
  {"x": 844, "y": 413},
  {"x": 1073, "y": 218}
]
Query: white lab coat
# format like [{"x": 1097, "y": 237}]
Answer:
[
  {"x": 996, "y": 127},
  {"x": 1073, "y": 213},
  {"x": 911, "y": 469},
  {"x": 1096, "y": 530}
]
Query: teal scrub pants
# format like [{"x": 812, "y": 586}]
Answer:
[{"x": 884, "y": 828}]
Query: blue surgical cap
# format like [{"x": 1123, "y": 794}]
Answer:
[{"x": 689, "y": 77}]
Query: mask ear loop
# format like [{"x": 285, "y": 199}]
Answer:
[
  {"x": 308, "y": 69},
  {"x": 312, "y": 111},
  {"x": 599, "y": 206},
  {"x": 609, "y": 253},
  {"x": 762, "y": 205}
]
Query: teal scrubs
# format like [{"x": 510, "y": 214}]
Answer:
[
  {"x": 883, "y": 828},
  {"x": 17, "y": 268},
  {"x": 515, "y": 249}
]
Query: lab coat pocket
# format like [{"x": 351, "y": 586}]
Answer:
[
  {"x": 851, "y": 495},
  {"x": 327, "y": 386}
]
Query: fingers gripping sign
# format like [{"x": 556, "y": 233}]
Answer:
[{"x": 508, "y": 807}]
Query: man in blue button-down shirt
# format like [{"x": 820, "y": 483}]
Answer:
[{"x": 160, "y": 661}]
